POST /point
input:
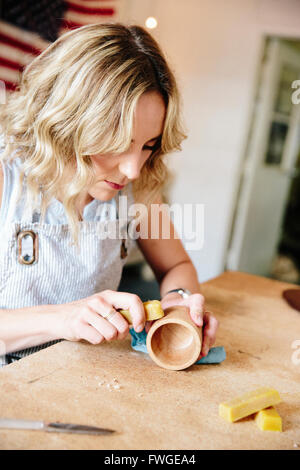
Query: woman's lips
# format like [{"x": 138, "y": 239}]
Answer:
[{"x": 114, "y": 185}]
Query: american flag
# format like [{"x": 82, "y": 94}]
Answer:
[{"x": 27, "y": 27}]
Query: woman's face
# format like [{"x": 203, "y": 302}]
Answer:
[{"x": 125, "y": 167}]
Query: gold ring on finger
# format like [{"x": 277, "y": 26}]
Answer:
[{"x": 109, "y": 315}]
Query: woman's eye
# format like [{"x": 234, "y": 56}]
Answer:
[{"x": 153, "y": 148}]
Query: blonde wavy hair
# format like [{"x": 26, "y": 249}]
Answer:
[{"x": 77, "y": 98}]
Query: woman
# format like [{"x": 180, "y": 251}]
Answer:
[{"x": 92, "y": 119}]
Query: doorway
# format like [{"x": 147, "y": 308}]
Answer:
[
  {"x": 265, "y": 237},
  {"x": 286, "y": 264}
]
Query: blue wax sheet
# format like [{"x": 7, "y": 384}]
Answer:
[{"x": 214, "y": 356}]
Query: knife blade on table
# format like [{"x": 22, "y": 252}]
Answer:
[{"x": 52, "y": 427}]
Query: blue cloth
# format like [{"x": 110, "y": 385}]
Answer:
[
  {"x": 138, "y": 340},
  {"x": 214, "y": 356}
]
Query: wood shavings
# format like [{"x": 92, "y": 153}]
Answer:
[{"x": 113, "y": 385}]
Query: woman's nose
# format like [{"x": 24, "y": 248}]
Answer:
[{"x": 131, "y": 166}]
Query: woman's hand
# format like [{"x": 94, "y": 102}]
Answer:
[
  {"x": 82, "y": 319},
  {"x": 200, "y": 316}
]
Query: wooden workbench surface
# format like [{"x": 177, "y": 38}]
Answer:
[{"x": 161, "y": 409}]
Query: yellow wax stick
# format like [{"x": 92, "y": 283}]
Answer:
[
  {"x": 269, "y": 420},
  {"x": 249, "y": 403},
  {"x": 153, "y": 311}
]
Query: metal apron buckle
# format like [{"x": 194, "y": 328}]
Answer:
[{"x": 29, "y": 254}]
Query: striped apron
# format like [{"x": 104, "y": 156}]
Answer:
[{"x": 39, "y": 265}]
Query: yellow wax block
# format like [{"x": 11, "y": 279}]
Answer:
[
  {"x": 249, "y": 403},
  {"x": 153, "y": 311},
  {"x": 268, "y": 420},
  {"x": 126, "y": 314}
]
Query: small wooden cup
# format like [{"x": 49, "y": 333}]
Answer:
[{"x": 174, "y": 341}]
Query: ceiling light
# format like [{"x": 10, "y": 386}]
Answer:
[{"x": 151, "y": 22}]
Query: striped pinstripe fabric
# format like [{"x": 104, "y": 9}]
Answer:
[
  {"x": 19, "y": 46},
  {"x": 62, "y": 273}
]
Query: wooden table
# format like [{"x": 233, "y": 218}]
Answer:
[{"x": 160, "y": 409}]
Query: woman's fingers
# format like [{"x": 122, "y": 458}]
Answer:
[
  {"x": 104, "y": 327},
  {"x": 127, "y": 301},
  {"x": 209, "y": 333},
  {"x": 121, "y": 325},
  {"x": 116, "y": 327},
  {"x": 171, "y": 299},
  {"x": 90, "y": 334},
  {"x": 103, "y": 308},
  {"x": 196, "y": 305}
]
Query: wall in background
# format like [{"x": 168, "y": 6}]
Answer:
[{"x": 214, "y": 46}]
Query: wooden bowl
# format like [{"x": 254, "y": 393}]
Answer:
[{"x": 174, "y": 341}]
